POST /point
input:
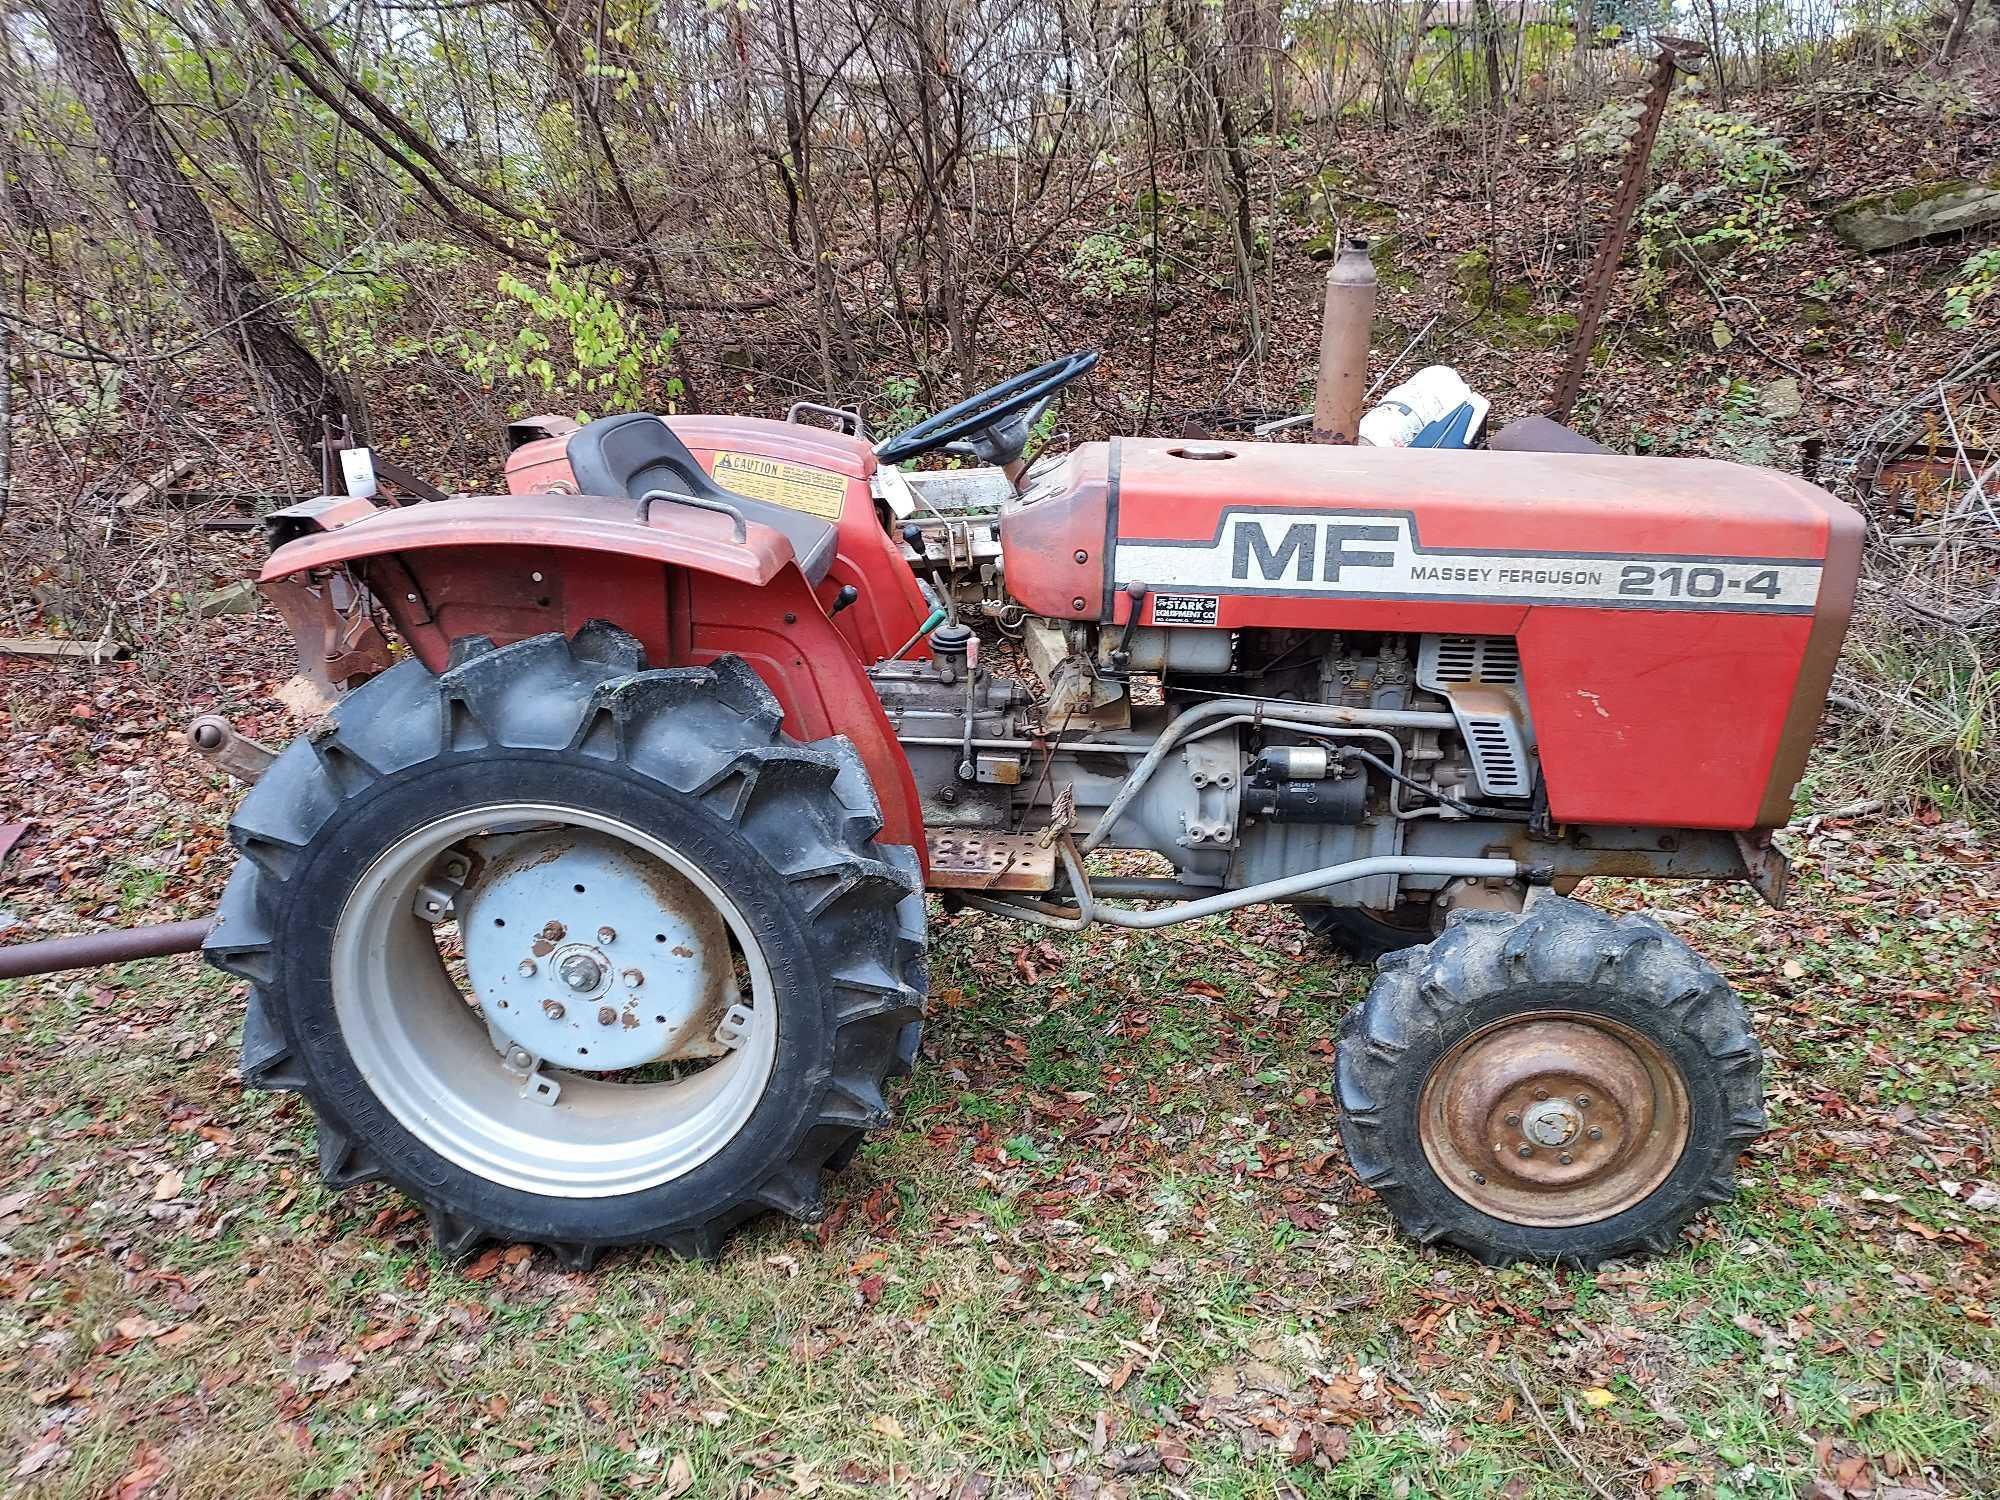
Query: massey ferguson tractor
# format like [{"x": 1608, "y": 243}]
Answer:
[{"x": 592, "y": 911}]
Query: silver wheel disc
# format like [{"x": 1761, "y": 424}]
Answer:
[{"x": 650, "y": 955}]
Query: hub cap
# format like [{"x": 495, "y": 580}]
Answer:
[
  {"x": 456, "y": 1063},
  {"x": 1553, "y": 1118},
  {"x": 592, "y": 954}
]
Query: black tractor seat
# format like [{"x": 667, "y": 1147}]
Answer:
[{"x": 632, "y": 454}]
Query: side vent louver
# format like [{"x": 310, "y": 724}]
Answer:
[
  {"x": 1497, "y": 755},
  {"x": 1470, "y": 658},
  {"x": 1481, "y": 675}
]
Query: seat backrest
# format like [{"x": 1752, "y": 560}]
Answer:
[{"x": 631, "y": 454}]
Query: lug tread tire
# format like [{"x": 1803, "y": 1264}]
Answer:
[
  {"x": 1425, "y": 999},
  {"x": 710, "y": 734},
  {"x": 1362, "y": 935}
]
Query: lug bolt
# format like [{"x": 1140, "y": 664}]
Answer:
[
  {"x": 527, "y": 968},
  {"x": 1541, "y": 1093},
  {"x": 633, "y": 979},
  {"x": 606, "y": 935},
  {"x": 1513, "y": 1119},
  {"x": 606, "y": 1016},
  {"x": 1526, "y": 1150},
  {"x": 1583, "y": 1101},
  {"x": 1565, "y": 1158},
  {"x": 581, "y": 972},
  {"x": 553, "y": 1009},
  {"x": 1480, "y": 1178},
  {"x": 1596, "y": 1134}
]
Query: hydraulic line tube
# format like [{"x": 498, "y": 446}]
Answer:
[
  {"x": 1318, "y": 714},
  {"x": 121, "y": 945},
  {"x": 1089, "y": 910},
  {"x": 1308, "y": 880}
]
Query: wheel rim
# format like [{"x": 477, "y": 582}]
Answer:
[
  {"x": 1554, "y": 1118},
  {"x": 426, "y": 1051}
]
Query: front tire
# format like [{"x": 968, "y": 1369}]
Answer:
[
  {"x": 1555, "y": 1085},
  {"x": 561, "y": 780}
]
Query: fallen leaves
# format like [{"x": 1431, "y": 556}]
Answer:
[
  {"x": 323, "y": 1372},
  {"x": 149, "y": 1467},
  {"x": 39, "y": 1454}
]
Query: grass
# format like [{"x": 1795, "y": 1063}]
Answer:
[{"x": 1110, "y": 1248}]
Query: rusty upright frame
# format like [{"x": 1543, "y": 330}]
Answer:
[{"x": 1675, "y": 56}]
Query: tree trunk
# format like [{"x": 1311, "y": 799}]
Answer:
[
  {"x": 217, "y": 285},
  {"x": 1961, "y": 22},
  {"x": 1488, "y": 26},
  {"x": 1184, "y": 18}
]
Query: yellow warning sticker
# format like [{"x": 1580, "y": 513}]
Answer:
[{"x": 817, "y": 492}]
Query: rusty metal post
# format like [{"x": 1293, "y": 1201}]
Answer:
[
  {"x": 1674, "y": 55},
  {"x": 121, "y": 945},
  {"x": 1345, "y": 323}
]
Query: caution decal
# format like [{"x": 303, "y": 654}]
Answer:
[{"x": 817, "y": 492}]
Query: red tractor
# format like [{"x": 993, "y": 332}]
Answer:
[{"x": 596, "y": 916}]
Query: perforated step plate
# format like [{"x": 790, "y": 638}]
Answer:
[{"x": 990, "y": 861}]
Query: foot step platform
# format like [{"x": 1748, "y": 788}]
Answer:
[{"x": 980, "y": 861}]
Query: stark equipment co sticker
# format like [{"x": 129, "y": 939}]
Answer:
[
  {"x": 817, "y": 492},
  {"x": 1377, "y": 555},
  {"x": 1184, "y": 609}
]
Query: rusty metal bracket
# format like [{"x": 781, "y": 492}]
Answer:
[
  {"x": 1675, "y": 55},
  {"x": 1765, "y": 867},
  {"x": 337, "y": 639},
  {"x": 234, "y": 754}
]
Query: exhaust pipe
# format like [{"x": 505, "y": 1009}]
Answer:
[{"x": 1345, "y": 323}]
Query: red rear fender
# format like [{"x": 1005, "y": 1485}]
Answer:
[
  {"x": 510, "y": 566},
  {"x": 802, "y": 468}
]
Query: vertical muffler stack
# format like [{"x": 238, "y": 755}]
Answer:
[{"x": 1343, "y": 345}]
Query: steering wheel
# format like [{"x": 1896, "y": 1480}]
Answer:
[{"x": 990, "y": 410}]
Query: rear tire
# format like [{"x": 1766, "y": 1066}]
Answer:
[
  {"x": 1554, "y": 1085},
  {"x": 1366, "y": 935},
  {"x": 827, "y": 927}
]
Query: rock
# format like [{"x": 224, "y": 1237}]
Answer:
[
  {"x": 238, "y": 598},
  {"x": 1780, "y": 400},
  {"x": 1882, "y": 221}
]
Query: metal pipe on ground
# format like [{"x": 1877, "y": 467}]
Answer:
[{"x": 121, "y": 945}]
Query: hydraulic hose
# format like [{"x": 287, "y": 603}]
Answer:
[{"x": 1310, "y": 713}]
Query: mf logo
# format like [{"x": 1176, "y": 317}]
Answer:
[{"x": 1309, "y": 551}]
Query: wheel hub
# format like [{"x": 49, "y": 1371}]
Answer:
[
  {"x": 585, "y": 952},
  {"x": 1554, "y": 1122},
  {"x": 1554, "y": 1118},
  {"x": 582, "y": 969}
]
